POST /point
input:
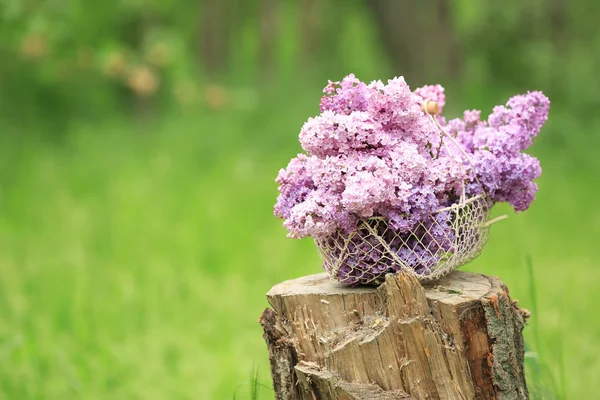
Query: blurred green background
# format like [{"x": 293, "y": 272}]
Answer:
[{"x": 139, "y": 141}]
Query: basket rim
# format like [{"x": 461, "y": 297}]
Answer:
[
  {"x": 454, "y": 206},
  {"x": 461, "y": 204}
]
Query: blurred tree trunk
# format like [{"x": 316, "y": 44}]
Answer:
[
  {"x": 269, "y": 15},
  {"x": 330, "y": 36},
  {"x": 399, "y": 33},
  {"x": 142, "y": 82},
  {"x": 558, "y": 21},
  {"x": 560, "y": 39},
  {"x": 310, "y": 31},
  {"x": 419, "y": 38},
  {"x": 446, "y": 42},
  {"x": 214, "y": 36}
]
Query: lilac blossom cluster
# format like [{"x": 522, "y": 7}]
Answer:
[
  {"x": 373, "y": 152},
  {"x": 495, "y": 148}
]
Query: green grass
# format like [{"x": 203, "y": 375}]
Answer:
[{"x": 134, "y": 259}]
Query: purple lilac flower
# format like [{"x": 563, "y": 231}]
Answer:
[
  {"x": 372, "y": 152},
  {"x": 495, "y": 147},
  {"x": 295, "y": 183}
]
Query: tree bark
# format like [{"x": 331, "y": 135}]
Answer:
[{"x": 456, "y": 338}]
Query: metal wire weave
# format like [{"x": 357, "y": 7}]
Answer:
[{"x": 448, "y": 239}]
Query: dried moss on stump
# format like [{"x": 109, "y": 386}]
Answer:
[{"x": 457, "y": 338}]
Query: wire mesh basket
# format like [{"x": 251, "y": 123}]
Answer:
[{"x": 449, "y": 238}]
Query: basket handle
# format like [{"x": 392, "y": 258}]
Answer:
[{"x": 493, "y": 221}]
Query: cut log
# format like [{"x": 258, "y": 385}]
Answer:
[{"x": 456, "y": 338}]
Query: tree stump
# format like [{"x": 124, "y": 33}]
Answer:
[{"x": 455, "y": 338}]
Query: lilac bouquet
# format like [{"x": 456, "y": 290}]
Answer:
[{"x": 384, "y": 174}]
